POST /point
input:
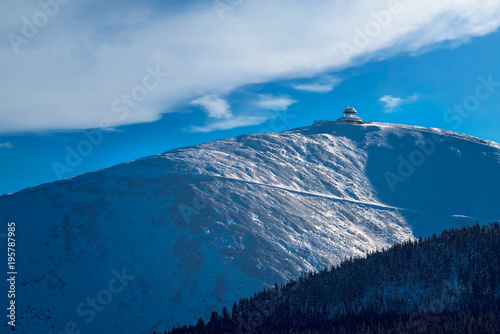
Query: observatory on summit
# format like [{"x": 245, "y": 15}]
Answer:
[{"x": 348, "y": 118}]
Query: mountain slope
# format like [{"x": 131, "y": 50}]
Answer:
[{"x": 196, "y": 227}]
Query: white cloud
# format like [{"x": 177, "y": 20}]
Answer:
[
  {"x": 234, "y": 122},
  {"x": 323, "y": 85},
  {"x": 215, "y": 106},
  {"x": 272, "y": 102},
  {"x": 69, "y": 74},
  {"x": 6, "y": 145},
  {"x": 392, "y": 104},
  {"x": 218, "y": 108}
]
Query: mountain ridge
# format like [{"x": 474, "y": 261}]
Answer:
[
  {"x": 463, "y": 136},
  {"x": 246, "y": 212}
]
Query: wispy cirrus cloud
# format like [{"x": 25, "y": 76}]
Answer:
[
  {"x": 393, "y": 104},
  {"x": 272, "y": 102},
  {"x": 231, "y": 123},
  {"x": 75, "y": 67},
  {"x": 6, "y": 145},
  {"x": 322, "y": 85},
  {"x": 258, "y": 111},
  {"x": 214, "y": 105}
]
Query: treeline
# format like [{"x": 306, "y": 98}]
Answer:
[
  {"x": 441, "y": 284},
  {"x": 471, "y": 320}
]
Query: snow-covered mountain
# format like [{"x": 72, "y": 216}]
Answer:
[{"x": 165, "y": 239}]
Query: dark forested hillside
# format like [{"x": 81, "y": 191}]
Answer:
[{"x": 442, "y": 284}]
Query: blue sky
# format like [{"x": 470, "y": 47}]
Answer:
[{"x": 122, "y": 80}]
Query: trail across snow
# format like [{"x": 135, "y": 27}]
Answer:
[{"x": 306, "y": 193}]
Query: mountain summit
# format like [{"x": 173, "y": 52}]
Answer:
[{"x": 178, "y": 234}]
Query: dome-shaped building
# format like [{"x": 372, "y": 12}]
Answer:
[{"x": 349, "y": 116}]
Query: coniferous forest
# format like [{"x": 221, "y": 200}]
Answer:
[{"x": 442, "y": 284}]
